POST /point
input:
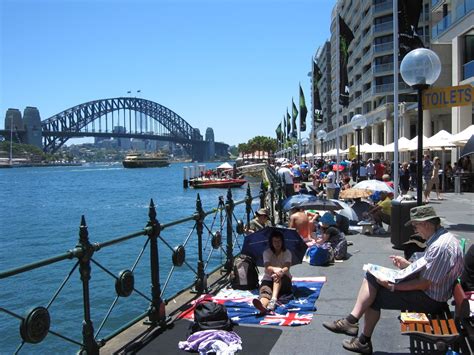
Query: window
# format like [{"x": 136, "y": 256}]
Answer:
[{"x": 383, "y": 39}]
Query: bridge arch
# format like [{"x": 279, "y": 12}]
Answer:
[{"x": 76, "y": 122}]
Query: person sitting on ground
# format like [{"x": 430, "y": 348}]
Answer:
[
  {"x": 276, "y": 280},
  {"x": 303, "y": 189},
  {"x": 342, "y": 222},
  {"x": 467, "y": 276},
  {"x": 331, "y": 234},
  {"x": 427, "y": 292},
  {"x": 383, "y": 210},
  {"x": 300, "y": 221},
  {"x": 360, "y": 208},
  {"x": 260, "y": 221}
]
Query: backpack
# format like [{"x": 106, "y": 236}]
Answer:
[
  {"x": 210, "y": 315},
  {"x": 244, "y": 275},
  {"x": 320, "y": 255}
]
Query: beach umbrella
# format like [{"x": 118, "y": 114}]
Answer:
[
  {"x": 320, "y": 204},
  {"x": 346, "y": 210},
  {"x": 373, "y": 185},
  {"x": 468, "y": 148},
  {"x": 355, "y": 193},
  {"x": 256, "y": 243},
  {"x": 296, "y": 200}
]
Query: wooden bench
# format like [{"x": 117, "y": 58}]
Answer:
[{"x": 443, "y": 329}]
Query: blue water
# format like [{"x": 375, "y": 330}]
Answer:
[{"x": 40, "y": 215}]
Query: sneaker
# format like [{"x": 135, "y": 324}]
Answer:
[
  {"x": 271, "y": 305},
  {"x": 356, "y": 346},
  {"x": 258, "y": 304},
  {"x": 342, "y": 326}
]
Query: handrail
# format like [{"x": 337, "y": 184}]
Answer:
[{"x": 85, "y": 253}]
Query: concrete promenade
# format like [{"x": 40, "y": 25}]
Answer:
[{"x": 343, "y": 282}]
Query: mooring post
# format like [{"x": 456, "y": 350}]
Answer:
[
  {"x": 201, "y": 279},
  {"x": 229, "y": 208},
  {"x": 248, "y": 204},
  {"x": 272, "y": 203},
  {"x": 87, "y": 250},
  {"x": 156, "y": 310}
]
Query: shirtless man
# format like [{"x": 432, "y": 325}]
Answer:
[{"x": 300, "y": 221}]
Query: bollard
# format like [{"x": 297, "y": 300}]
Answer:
[
  {"x": 457, "y": 184},
  {"x": 185, "y": 178}
]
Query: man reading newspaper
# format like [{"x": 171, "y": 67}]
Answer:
[{"x": 425, "y": 292}]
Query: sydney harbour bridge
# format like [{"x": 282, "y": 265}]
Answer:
[{"x": 121, "y": 117}]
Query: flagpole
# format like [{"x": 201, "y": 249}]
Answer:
[
  {"x": 338, "y": 49},
  {"x": 395, "y": 98}
]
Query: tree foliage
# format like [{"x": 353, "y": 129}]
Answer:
[{"x": 258, "y": 143}]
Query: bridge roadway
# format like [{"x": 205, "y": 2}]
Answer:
[{"x": 336, "y": 300}]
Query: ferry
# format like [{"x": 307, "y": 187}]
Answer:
[{"x": 138, "y": 160}]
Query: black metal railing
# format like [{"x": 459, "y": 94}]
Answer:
[{"x": 36, "y": 324}]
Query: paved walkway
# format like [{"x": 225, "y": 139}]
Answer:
[{"x": 338, "y": 295}]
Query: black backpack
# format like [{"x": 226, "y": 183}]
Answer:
[
  {"x": 210, "y": 315},
  {"x": 244, "y": 275}
]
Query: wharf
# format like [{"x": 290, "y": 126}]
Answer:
[{"x": 335, "y": 301}]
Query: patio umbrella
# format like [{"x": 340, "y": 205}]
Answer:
[
  {"x": 256, "y": 243},
  {"x": 462, "y": 137},
  {"x": 346, "y": 210},
  {"x": 355, "y": 193},
  {"x": 320, "y": 204},
  {"x": 442, "y": 139},
  {"x": 295, "y": 200},
  {"x": 373, "y": 185},
  {"x": 468, "y": 148},
  {"x": 403, "y": 145}
]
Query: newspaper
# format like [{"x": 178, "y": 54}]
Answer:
[{"x": 392, "y": 275}]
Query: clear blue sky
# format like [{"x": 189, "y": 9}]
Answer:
[{"x": 233, "y": 65}]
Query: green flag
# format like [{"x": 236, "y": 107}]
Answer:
[
  {"x": 345, "y": 38},
  {"x": 318, "y": 111},
  {"x": 279, "y": 132},
  {"x": 303, "y": 111},
  {"x": 294, "y": 116},
  {"x": 288, "y": 124}
]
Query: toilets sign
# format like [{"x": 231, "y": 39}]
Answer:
[{"x": 448, "y": 97}]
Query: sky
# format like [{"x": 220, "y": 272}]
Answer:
[{"x": 233, "y": 65}]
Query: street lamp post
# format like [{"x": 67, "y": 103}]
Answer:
[
  {"x": 420, "y": 68},
  {"x": 358, "y": 123},
  {"x": 321, "y": 135},
  {"x": 295, "y": 150},
  {"x": 305, "y": 143}
]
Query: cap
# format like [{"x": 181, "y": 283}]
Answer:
[
  {"x": 421, "y": 213},
  {"x": 328, "y": 219},
  {"x": 262, "y": 212}
]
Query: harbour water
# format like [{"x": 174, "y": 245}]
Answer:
[{"x": 40, "y": 215}]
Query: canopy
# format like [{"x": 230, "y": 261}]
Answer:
[
  {"x": 403, "y": 145},
  {"x": 225, "y": 166},
  {"x": 440, "y": 140},
  {"x": 375, "y": 148},
  {"x": 462, "y": 137},
  {"x": 331, "y": 152},
  {"x": 413, "y": 145},
  {"x": 364, "y": 148}
]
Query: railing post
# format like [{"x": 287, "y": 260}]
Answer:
[
  {"x": 272, "y": 202},
  {"x": 248, "y": 204},
  {"x": 229, "y": 208},
  {"x": 280, "y": 202},
  {"x": 283, "y": 192},
  {"x": 90, "y": 345},
  {"x": 262, "y": 195},
  {"x": 156, "y": 310},
  {"x": 201, "y": 282}
]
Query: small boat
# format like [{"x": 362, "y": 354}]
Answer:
[
  {"x": 138, "y": 160},
  {"x": 219, "y": 183}
]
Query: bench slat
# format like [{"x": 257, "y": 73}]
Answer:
[
  {"x": 436, "y": 328},
  {"x": 428, "y": 329},
  {"x": 444, "y": 326},
  {"x": 452, "y": 326}
]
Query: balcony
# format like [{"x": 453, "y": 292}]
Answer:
[
  {"x": 383, "y": 47},
  {"x": 388, "y": 88},
  {"x": 382, "y": 27},
  {"x": 468, "y": 70},
  {"x": 382, "y": 68},
  {"x": 367, "y": 56},
  {"x": 446, "y": 22},
  {"x": 383, "y": 7}
]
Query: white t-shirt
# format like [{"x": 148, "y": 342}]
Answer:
[
  {"x": 286, "y": 174},
  {"x": 277, "y": 261},
  {"x": 331, "y": 184}
]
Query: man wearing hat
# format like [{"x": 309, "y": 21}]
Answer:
[
  {"x": 427, "y": 292},
  {"x": 260, "y": 221}
]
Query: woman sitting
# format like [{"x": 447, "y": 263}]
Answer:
[
  {"x": 276, "y": 281},
  {"x": 332, "y": 235}
]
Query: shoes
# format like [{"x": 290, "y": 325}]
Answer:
[
  {"x": 342, "y": 326},
  {"x": 258, "y": 304},
  {"x": 271, "y": 305},
  {"x": 356, "y": 346}
]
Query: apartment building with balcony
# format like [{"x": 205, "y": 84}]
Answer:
[{"x": 370, "y": 72}]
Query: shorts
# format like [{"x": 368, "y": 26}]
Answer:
[
  {"x": 266, "y": 288},
  {"x": 417, "y": 301}
]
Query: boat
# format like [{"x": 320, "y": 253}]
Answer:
[
  {"x": 138, "y": 160},
  {"x": 219, "y": 183}
]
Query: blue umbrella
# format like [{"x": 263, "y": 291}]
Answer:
[
  {"x": 296, "y": 200},
  {"x": 256, "y": 243}
]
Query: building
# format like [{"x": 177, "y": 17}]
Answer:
[{"x": 444, "y": 26}]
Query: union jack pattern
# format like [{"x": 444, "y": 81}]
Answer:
[{"x": 288, "y": 319}]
